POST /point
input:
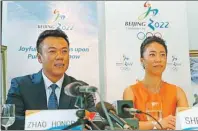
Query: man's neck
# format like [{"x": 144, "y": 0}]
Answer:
[{"x": 52, "y": 78}]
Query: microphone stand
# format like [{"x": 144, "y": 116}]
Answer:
[{"x": 81, "y": 114}]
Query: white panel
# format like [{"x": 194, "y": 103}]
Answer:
[{"x": 121, "y": 40}]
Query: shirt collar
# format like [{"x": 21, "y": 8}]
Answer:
[{"x": 48, "y": 82}]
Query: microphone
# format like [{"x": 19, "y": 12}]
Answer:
[
  {"x": 111, "y": 111},
  {"x": 126, "y": 107},
  {"x": 120, "y": 105},
  {"x": 78, "y": 88},
  {"x": 132, "y": 110}
]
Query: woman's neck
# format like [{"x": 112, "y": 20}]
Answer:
[{"x": 152, "y": 82}]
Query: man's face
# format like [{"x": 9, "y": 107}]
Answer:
[
  {"x": 154, "y": 58},
  {"x": 54, "y": 56}
]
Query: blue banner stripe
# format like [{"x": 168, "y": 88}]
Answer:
[
  {"x": 62, "y": 127},
  {"x": 191, "y": 128}
]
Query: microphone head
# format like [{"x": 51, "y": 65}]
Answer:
[
  {"x": 71, "y": 89},
  {"x": 100, "y": 110},
  {"x": 120, "y": 105}
]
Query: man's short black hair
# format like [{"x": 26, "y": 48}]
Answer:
[
  {"x": 149, "y": 40},
  {"x": 48, "y": 33}
]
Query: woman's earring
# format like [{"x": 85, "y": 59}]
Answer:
[{"x": 143, "y": 66}]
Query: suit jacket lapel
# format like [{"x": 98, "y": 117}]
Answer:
[
  {"x": 39, "y": 85},
  {"x": 64, "y": 101}
]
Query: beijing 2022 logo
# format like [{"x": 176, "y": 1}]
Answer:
[
  {"x": 124, "y": 63},
  {"x": 59, "y": 21},
  {"x": 146, "y": 24}
]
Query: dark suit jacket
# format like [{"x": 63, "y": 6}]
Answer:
[{"x": 28, "y": 93}]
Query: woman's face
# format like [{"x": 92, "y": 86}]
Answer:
[{"x": 154, "y": 58}]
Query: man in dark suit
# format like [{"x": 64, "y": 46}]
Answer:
[{"x": 45, "y": 89}]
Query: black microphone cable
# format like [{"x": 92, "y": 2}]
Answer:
[
  {"x": 141, "y": 112},
  {"x": 93, "y": 124}
]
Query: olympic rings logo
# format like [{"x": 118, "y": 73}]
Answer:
[{"x": 142, "y": 35}]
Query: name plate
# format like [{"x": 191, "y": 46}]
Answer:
[
  {"x": 187, "y": 118},
  {"x": 50, "y": 119}
]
